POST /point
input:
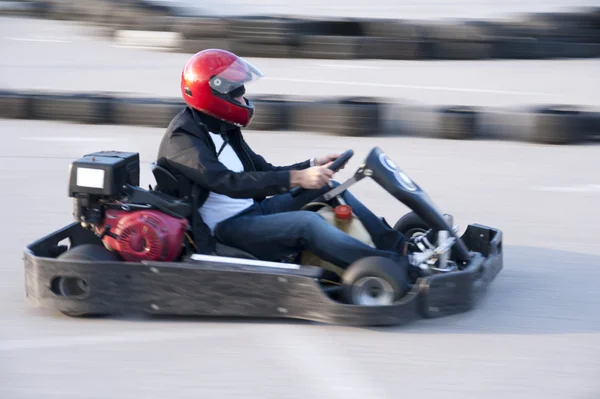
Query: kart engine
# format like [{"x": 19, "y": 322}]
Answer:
[
  {"x": 136, "y": 232},
  {"x": 143, "y": 235}
]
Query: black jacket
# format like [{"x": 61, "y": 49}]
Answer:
[{"x": 188, "y": 152}]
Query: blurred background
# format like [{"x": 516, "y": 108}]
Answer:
[{"x": 492, "y": 107}]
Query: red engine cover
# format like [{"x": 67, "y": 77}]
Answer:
[{"x": 144, "y": 235}]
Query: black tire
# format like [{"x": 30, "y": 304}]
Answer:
[
  {"x": 374, "y": 281},
  {"x": 91, "y": 252},
  {"x": 411, "y": 224},
  {"x": 73, "y": 286}
]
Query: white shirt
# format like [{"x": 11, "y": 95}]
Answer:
[{"x": 219, "y": 207}]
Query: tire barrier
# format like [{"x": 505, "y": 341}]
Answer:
[
  {"x": 329, "y": 47},
  {"x": 339, "y": 116},
  {"x": 558, "y": 125},
  {"x": 457, "y": 123},
  {"x": 148, "y": 112},
  {"x": 14, "y": 105},
  {"x": 271, "y": 113},
  {"x": 592, "y": 126},
  {"x": 192, "y": 28},
  {"x": 390, "y": 48},
  {"x": 24, "y": 8},
  {"x": 263, "y": 50},
  {"x": 350, "y": 117},
  {"x": 532, "y": 36},
  {"x": 81, "y": 108},
  {"x": 266, "y": 30}
]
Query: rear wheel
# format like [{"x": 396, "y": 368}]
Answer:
[
  {"x": 93, "y": 252},
  {"x": 69, "y": 286},
  {"x": 374, "y": 281}
]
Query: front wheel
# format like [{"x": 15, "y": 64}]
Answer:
[
  {"x": 374, "y": 281},
  {"x": 411, "y": 225}
]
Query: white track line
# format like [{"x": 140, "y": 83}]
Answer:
[
  {"x": 416, "y": 87},
  {"x": 126, "y": 46},
  {"x": 582, "y": 188},
  {"x": 124, "y": 337},
  {"x": 349, "y": 66},
  {"x": 40, "y": 39},
  {"x": 72, "y": 139}
]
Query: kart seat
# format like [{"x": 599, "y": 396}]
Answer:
[
  {"x": 232, "y": 252},
  {"x": 164, "y": 202},
  {"x": 165, "y": 180}
]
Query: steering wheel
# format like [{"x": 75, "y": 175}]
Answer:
[{"x": 335, "y": 166}]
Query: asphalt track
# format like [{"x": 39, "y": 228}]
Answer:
[
  {"x": 535, "y": 335},
  {"x": 406, "y": 9},
  {"x": 59, "y": 56}
]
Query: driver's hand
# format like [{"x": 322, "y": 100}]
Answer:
[
  {"x": 325, "y": 159},
  {"x": 312, "y": 178}
]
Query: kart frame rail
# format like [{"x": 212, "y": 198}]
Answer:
[{"x": 205, "y": 288}]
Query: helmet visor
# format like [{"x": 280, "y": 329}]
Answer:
[{"x": 238, "y": 74}]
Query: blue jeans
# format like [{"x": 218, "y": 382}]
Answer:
[{"x": 276, "y": 227}]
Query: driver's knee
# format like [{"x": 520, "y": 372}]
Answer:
[
  {"x": 309, "y": 218},
  {"x": 309, "y": 223}
]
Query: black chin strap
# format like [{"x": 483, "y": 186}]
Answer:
[{"x": 225, "y": 138}]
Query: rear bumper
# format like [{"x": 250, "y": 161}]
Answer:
[{"x": 210, "y": 289}]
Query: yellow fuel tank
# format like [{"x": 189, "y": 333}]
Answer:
[{"x": 344, "y": 219}]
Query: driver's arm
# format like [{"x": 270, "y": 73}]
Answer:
[
  {"x": 262, "y": 165},
  {"x": 194, "y": 159}
]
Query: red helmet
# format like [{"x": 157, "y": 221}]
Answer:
[{"x": 212, "y": 80}]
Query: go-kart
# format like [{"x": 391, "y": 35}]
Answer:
[{"x": 131, "y": 249}]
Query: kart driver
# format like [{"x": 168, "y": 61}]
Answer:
[{"x": 243, "y": 200}]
